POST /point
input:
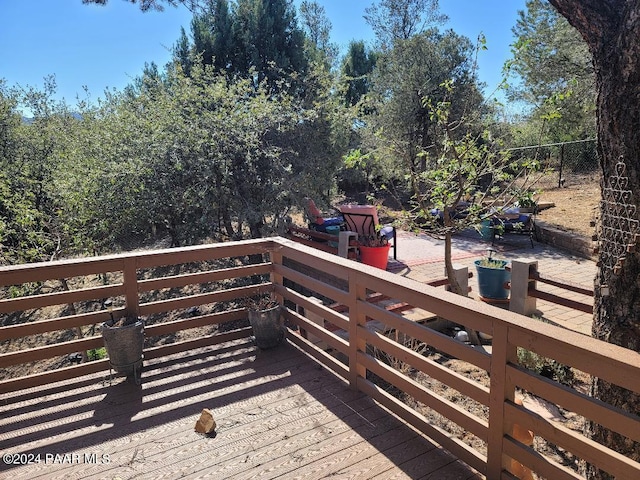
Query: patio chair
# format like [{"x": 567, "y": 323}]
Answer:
[
  {"x": 514, "y": 222},
  {"x": 319, "y": 221},
  {"x": 363, "y": 219}
]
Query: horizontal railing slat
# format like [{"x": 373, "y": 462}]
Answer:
[
  {"x": 329, "y": 338},
  {"x": 174, "y": 326},
  {"x": 198, "y": 299},
  {"x": 449, "y": 410},
  {"x": 616, "y": 464},
  {"x": 320, "y": 355},
  {"x": 600, "y": 412},
  {"x": 543, "y": 466},
  {"x": 331, "y": 316},
  {"x": 457, "y": 447},
  {"x": 176, "y": 281},
  {"x": 457, "y": 308},
  {"x": 322, "y": 261},
  {"x": 322, "y": 288},
  {"x": 49, "y": 351},
  {"x": 49, "y": 377},
  {"x": 76, "y": 267},
  {"x": 60, "y": 298},
  {"x": 603, "y": 360},
  {"x": 55, "y": 324},
  {"x": 449, "y": 377},
  {"x": 560, "y": 300},
  {"x": 201, "y": 253},
  {"x": 429, "y": 336},
  {"x": 187, "y": 345}
]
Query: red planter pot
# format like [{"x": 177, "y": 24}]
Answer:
[{"x": 375, "y": 256}]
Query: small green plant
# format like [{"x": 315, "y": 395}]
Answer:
[
  {"x": 373, "y": 241},
  {"x": 546, "y": 367},
  {"x": 526, "y": 198},
  {"x": 490, "y": 262},
  {"x": 97, "y": 354}
]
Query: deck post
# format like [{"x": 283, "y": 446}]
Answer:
[
  {"x": 275, "y": 278},
  {"x": 461, "y": 273},
  {"x": 357, "y": 293},
  {"x": 501, "y": 391},
  {"x": 521, "y": 302},
  {"x": 130, "y": 279}
]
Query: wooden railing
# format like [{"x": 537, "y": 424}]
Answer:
[
  {"x": 375, "y": 361},
  {"x": 121, "y": 279},
  {"x": 524, "y": 291}
]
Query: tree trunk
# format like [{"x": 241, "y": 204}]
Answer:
[
  {"x": 448, "y": 265},
  {"x": 612, "y": 31},
  {"x": 454, "y": 285}
]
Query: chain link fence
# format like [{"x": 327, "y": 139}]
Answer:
[{"x": 568, "y": 163}]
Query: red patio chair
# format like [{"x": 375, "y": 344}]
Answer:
[{"x": 363, "y": 219}]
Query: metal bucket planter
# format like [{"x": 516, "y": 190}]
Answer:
[
  {"x": 268, "y": 326},
  {"x": 124, "y": 346}
]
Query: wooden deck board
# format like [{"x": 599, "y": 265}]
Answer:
[{"x": 279, "y": 415}]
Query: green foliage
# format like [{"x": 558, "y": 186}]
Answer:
[
  {"x": 97, "y": 354},
  {"x": 398, "y": 125},
  {"x": 199, "y": 150},
  {"x": 29, "y": 157},
  {"x": 492, "y": 263},
  {"x": 317, "y": 28},
  {"x": 393, "y": 20},
  {"x": 526, "y": 198},
  {"x": 254, "y": 39},
  {"x": 558, "y": 80},
  {"x": 546, "y": 367},
  {"x": 196, "y": 156},
  {"x": 357, "y": 67}
]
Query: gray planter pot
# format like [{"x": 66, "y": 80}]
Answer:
[
  {"x": 124, "y": 346},
  {"x": 268, "y": 326}
]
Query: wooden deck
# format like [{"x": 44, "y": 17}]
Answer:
[{"x": 279, "y": 415}]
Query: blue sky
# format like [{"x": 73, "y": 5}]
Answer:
[{"x": 105, "y": 47}]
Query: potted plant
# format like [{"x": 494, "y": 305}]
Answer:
[
  {"x": 526, "y": 201},
  {"x": 374, "y": 251},
  {"x": 265, "y": 316},
  {"x": 124, "y": 342},
  {"x": 492, "y": 276}
]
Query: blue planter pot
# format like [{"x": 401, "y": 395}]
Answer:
[
  {"x": 491, "y": 281},
  {"x": 486, "y": 230}
]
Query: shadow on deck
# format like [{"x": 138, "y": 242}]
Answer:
[{"x": 278, "y": 414}]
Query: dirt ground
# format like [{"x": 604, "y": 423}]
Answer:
[{"x": 575, "y": 207}]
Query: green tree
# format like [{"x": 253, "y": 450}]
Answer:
[
  {"x": 357, "y": 68},
  {"x": 30, "y": 156},
  {"x": 255, "y": 39},
  {"x": 22, "y": 236},
  {"x": 317, "y": 28},
  {"x": 469, "y": 177},
  {"x": 269, "y": 45},
  {"x": 393, "y": 20},
  {"x": 611, "y": 30},
  {"x": 556, "y": 70},
  {"x": 401, "y": 126},
  {"x": 175, "y": 154},
  {"x": 213, "y": 40}
]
